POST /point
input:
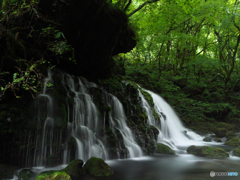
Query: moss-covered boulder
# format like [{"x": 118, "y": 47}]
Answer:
[
  {"x": 6, "y": 171},
  {"x": 164, "y": 149},
  {"x": 227, "y": 126},
  {"x": 236, "y": 152},
  {"x": 97, "y": 167},
  {"x": 25, "y": 174},
  {"x": 218, "y": 140},
  {"x": 206, "y": 151},
  {"x": 207, "y": 139},
  {"x": 230, "y": 134},
  {"x": 57, "y": 175},
  {"x": 220, "y": 132},
  {"x": 75, "y": 169},
  {"x": 235, "y": 141}
]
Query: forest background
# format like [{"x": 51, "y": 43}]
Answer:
[{"x": 187, "y": 51}]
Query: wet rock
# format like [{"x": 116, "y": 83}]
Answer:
[
  {"x": 207, "y": 139},
  {"x": 206, "y": 151},
  {"x": 97, "y": 167},
  {"x": 164, "y": 149},
  {"x": 236, "y": 152},
  {"x": 25, "y": 174},
  {"x": 53, "y": 175},
  {"x": 220, "y": 132},
  {"x": 218, "y": 140},
  {"x": 75, "y": 169},
  {"x": 233, "y": 142}
]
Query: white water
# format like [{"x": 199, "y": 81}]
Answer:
[
  {"x": 171, "y": 130},
  {"x": 84, "y": 123},
  {"x": 118, "y": 114}
]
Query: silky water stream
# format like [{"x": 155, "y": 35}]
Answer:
[{"x": 84, "y": 122}]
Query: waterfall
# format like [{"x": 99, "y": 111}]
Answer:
[
  {"x": 120, "y": 118},
  {"x": 85, "y": 120},
  {"x": 83, "y": 135},
  {"x": 171, "y": 130}
]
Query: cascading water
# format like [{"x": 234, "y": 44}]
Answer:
[
  {"x": 85, "y": 121},
  {"x": 171, "y": 130},
  {"x": 83, "y": 135},
  {"x": 120, "y": 119}
]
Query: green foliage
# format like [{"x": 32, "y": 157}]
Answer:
[{"x": 34, "y": 46}]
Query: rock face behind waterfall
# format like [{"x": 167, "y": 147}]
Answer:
[{"x": 76, "y": 119}]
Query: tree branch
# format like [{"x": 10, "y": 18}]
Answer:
[
  {"x": 129, "y": 2},
  {"x": 141, "y": 6}
]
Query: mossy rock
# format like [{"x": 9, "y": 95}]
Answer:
[
  {"x": 25, "y": 174},
  {"x": 227, "y": 126},
  {"x": 235, "y": 141},
  {"x": 6, "y": 171},
  {"x": 236, "y": 152},
  {"x": 108, "y": 108},
  {"x": 207, "y": 139},
  {"x": 53, "y": 175},
  {"x": 206, "y": 151},
  {"x": 75, "y": 169},
  {"x": 230, "y": 134},
  {"x": 164, "y": 149},
  {"x": 218, "y": 140},
  {"x": 97, "y": 167},
  {"x": 220, "y": 132}
]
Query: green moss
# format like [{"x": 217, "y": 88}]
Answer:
[
  {"x": 141, "y": 127},
  {"x": 164, "y": 149},
  {"x": 220, "y": 132},
  {"x": 235, "y": 141},
  {"x": 97, "y": 167},
  {"x": 227, "y": 126},
  {"x": 206, "y": 151},
  {"x": 75, "y": 169},
  {"x": 230, "y": 134},
  {"x": 53, "y": 175},
  {"x": 25, "y": 174},
  {"x": 108, "y": 108},
  {"x": 236, "y": 152}
]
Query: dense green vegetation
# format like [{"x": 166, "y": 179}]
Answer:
[
  {"x": 185, "y": 50},
  {"x": 188, "y": 51}
]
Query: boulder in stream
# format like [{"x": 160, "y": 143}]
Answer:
[
  {"x": 235, "y": 141},
  {"x": 97, "y": 167},
  {"x": 220, "y": 132},
  {"x": 164, "y": 149},
  {"x": 206, "y": 151},
  {"x": 236, "y": 152},
  {"x": 207, "y": 139},
  {"x": 75, "y": 169},
  {"x": 25, "y": 174},
  {"x": 53, "y": 175}
]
